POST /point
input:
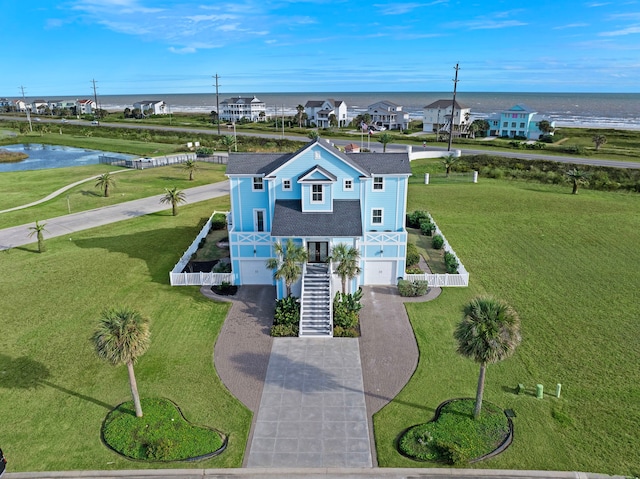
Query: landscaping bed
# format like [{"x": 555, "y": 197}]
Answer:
[
  {"x": 162, "y": 434},
  {"x": 453, "y": 436}
]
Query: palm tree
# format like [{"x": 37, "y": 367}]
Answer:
[
  {"x": 348, "y": 258},
  {"x": 448, "y": 161},
  {"x": 39, "y": 230},
  {"x": 190, "y": 166},
  {"x": 385, "y": 139},
  {"x": 174, "y": 197},
  {"x": 489, "y": 332},
  {"x": 228, "y": 141},
  {"x": 313, "y": 135},
  {"x": 545, "y": 127},
  {"x": 287, "y": 265},
  {"x": 105, "y": 181},
  {"x": 122, "y": 336},
  {"x": 300, "y": 110},
  {"x": 599, "y": 140},
  {"x": 578, "y": 177}
]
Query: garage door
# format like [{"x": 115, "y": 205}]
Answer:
[
  {"x": 255, "y": 272},
  {"x": 380, "y": 272}
]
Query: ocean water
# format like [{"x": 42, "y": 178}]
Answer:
[{"x": 600, "y": 110}]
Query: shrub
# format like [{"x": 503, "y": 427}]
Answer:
[
  {"x": 218, "y": 222},
  {"x": 222, "y": 267},
  {"x": 284, "y": 330},
  {"x": 412, "y": 288},
  {"x": 414, "y": 270},
  {"x": 346, "y": 309},
  {"x": 340, "y": 332},
  {"x": 427, "y": 228},
  {"x": 451, "y": 263},
  {"x": 437, "y": 241},
  {"x": 416, "y": 217},
  {"x": 287, "y": 311},
  {"x": 413, "y": 257}
]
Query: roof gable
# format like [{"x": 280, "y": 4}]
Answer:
[{"x": 317, "y": 174}]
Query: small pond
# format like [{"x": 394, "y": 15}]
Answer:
[{"x": 53, "y": 156}]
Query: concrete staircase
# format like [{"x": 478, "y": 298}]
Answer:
[{"x": 315, "y": 308}]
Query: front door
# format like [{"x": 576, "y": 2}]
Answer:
[{"x": 318, "y": 251}]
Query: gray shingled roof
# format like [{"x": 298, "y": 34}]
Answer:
[
  {"x": 266, "y": 163},
  {"x": 290, "y": 221},
  {"x": 444, "y": 104}
]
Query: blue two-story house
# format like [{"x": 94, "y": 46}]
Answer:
[{"x": 318, "y": 197}]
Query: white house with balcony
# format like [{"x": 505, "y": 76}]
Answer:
[
  {"x": 437, "y": 116},
  {"x": 319, "y": 112},
  {"x": 236, "y": 108},
  {"x": 151, "y": 107},
  {"x": 85, "y": 107},
  {"x": 389, "y": 115}
]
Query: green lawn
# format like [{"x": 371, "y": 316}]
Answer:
[
  {"x": 570, "y": 265},
  {"x": 22, "y": 187},
  {"x": 56, "y": 392}
]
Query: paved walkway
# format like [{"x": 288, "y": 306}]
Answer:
[
  {"x": 312, "y": 412},
  {"x": 62, "y": 225},
  {"x": 279, "y": 378}
]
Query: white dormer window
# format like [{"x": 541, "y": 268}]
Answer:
[
  {"x": 378, "y": 183},
  {"x": 286, "y": 185},
  {"x": 316, "y": 155},
  {"x": 348, "y": 184},
  {"x": 258, "y": 185},
  {"x": 317, "y": 194}
]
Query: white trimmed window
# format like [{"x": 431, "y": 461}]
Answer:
[
  {"x": 258, "y": 184},
  {"x": 258, "y": 219},
  {"x": 317, "y": 194},
  {"x": 286, "y": 185},
  {"x": 348, "y": 184},
  {"x": 316, "y": 155},
  {"x": 378, "y": 183},
  {"x": 376, "y": 216}
]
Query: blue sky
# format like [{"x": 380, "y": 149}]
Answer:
[{"x": 56, "y": 47}]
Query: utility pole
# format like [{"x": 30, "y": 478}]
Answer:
[
  {"x": 283, "y": 122},
  {"x": 217, "y": 104},
  {"x": 28, "y": 110},
  {"x": 453, "y": 106},
  {"x": 95, "y": 98}
]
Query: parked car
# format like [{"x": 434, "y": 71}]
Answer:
[
  {"x": 95, "y": 122},
  {"x": 3, "y": 463}
]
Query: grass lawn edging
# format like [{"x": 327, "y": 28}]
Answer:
[
  {"x": 201, "y": 457},
  {"x": 506, "y": 442}
]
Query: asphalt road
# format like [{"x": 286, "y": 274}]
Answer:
[
  {"x": 62, "y": 225},
  {"x": 370, "y": 143}
]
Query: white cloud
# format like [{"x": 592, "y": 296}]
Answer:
[
  {"x": 571, "y": 25},
  {"x": 624, "y": 31}
]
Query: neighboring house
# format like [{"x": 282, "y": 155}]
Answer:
[
  {"x": 319, "y": 112},
  {"x": 85, "y": 107},
  {"x": 319, "y": 197},
  {"x": 4, "y": 102},
  {"x": 39, "y": 106},
  {"x": 20, "y": 105},
  {"x": 388, "y": 114},
  {"x": 518, "y": 121},
  {"x": 236, "y": 108},
  {"x": 151, "y": 107},
  {"x": 57, "y": 105},
  {"x": 437, "y": 116}
]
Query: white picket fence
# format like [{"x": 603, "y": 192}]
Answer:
[
  {"x": 443, "y": 280},
  {"x": 178, "y": 278}
]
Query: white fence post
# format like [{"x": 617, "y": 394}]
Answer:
[
  {"x": 426, "y": 178},
  {"x": 475, "y": 176}
]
